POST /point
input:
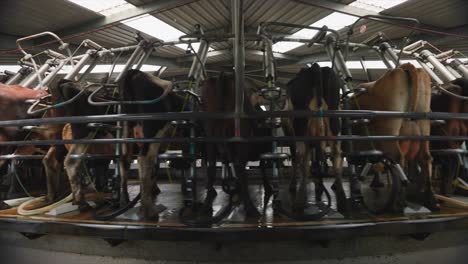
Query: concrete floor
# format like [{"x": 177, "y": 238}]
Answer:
[{"x": 446, "y": 247}]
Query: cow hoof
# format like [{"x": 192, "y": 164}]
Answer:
[
  {"x": 292, "y": 188},
  {"x": 151, "y": 212},
  {"x": 84, "y": 207},
  {"x": 211, "y": 194},
  {"x": 433, "y": 206},
  {"x": 124, "y": 200},
  {"x": 252, "y": 212},
  {"x": 268, "y": 190},
  {"x": 4, "y": 206}
]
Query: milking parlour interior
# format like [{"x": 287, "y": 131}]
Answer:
[{"x": 226, "y": 131}]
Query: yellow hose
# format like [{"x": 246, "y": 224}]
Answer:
[{"x": 43, "y": 210}]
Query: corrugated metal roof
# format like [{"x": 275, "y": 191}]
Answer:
[
  {"x": 443, "y": 14},
  {"x": 26, "y": 17}
]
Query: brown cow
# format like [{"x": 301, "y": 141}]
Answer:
[
  {"x": 443, "y": 102},
  {"x": 13, "y": 106},
  {"x": 405, "y": 89}
]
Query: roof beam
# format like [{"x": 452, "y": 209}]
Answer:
[
  {"x": 105, "y": 21},
  {"x": 213, "y": 53},
  {"x": 277, "y": 55}
]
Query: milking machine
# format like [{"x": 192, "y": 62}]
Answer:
[
  {"x": 376, "y": 181},
  {"x": 378, "y": 196},
  {"x": 276, "y": 97}
]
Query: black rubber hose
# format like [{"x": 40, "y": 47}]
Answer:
[{"x": 119, "y": 211}]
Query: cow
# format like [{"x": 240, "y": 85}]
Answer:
[
  {"x": 404, "y": 89},
  {"x": 136, "y": 86},
  {"x": 315, "y": 89},
  {"x": 66, "y": 90},
  {"x": 444, "y": 102},
  {"x": 14, "y": 105},
  {"x": 218, "y": 95}
]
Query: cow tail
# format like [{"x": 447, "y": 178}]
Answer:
[
  {"x": 413, "y": 83},
  {"x": 331, "y": 88}
]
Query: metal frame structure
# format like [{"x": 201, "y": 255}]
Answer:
[{"x": 141, "y": 52}]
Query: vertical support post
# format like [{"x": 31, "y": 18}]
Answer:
[
  {"x": 239, "y": 60},
  {"x": 273, "y": 94},
  {"x": 196, "y": 70},
  {"x": 362, "y": 60}
]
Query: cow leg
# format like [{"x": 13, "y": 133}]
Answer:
[
  {"x": 124, "y": 164},
  {"x": 266, "y": 182},
  {"x": 293, "y": 180},
  {"x": 148, "y": 178},
  {"x": 249, "y": 207},
  {"x": 337, "y": 186},
  {"x": 211, "y": 172},
  {"x": 72, "y": 166},
  {"x": 318, "y": 157},
  {"x": 303, "y": 156},
  {"x": 425, "y": 161},
  {"x": 52, "y": 169}
]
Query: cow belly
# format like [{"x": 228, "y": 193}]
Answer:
[{"x": 410, "y": 148}]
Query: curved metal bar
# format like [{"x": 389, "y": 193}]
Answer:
[
  {"x": 87, "y": 156},
  {"x": 91, "y": 101},
  {"x": 21, "y": 157},
  {"x": 36, "y": 103},
  {"x": 69, "y": 101},
  {"x": 445, "y": 91},
  {"x": 265, "y": 25},
  {"x": 266, "y": 139},
  {"x": 229, "y": 115}
]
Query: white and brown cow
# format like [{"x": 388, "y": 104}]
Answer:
[{"x": 316, "y": 89}]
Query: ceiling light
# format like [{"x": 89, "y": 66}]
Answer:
[
  {"x": 106, "y": 7},
  {"x": 154, "y": 27},
  {"x": 334, "y": 21},
  {"x": 376, "y": 5},
  {"x": 159, "y": 29}
]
